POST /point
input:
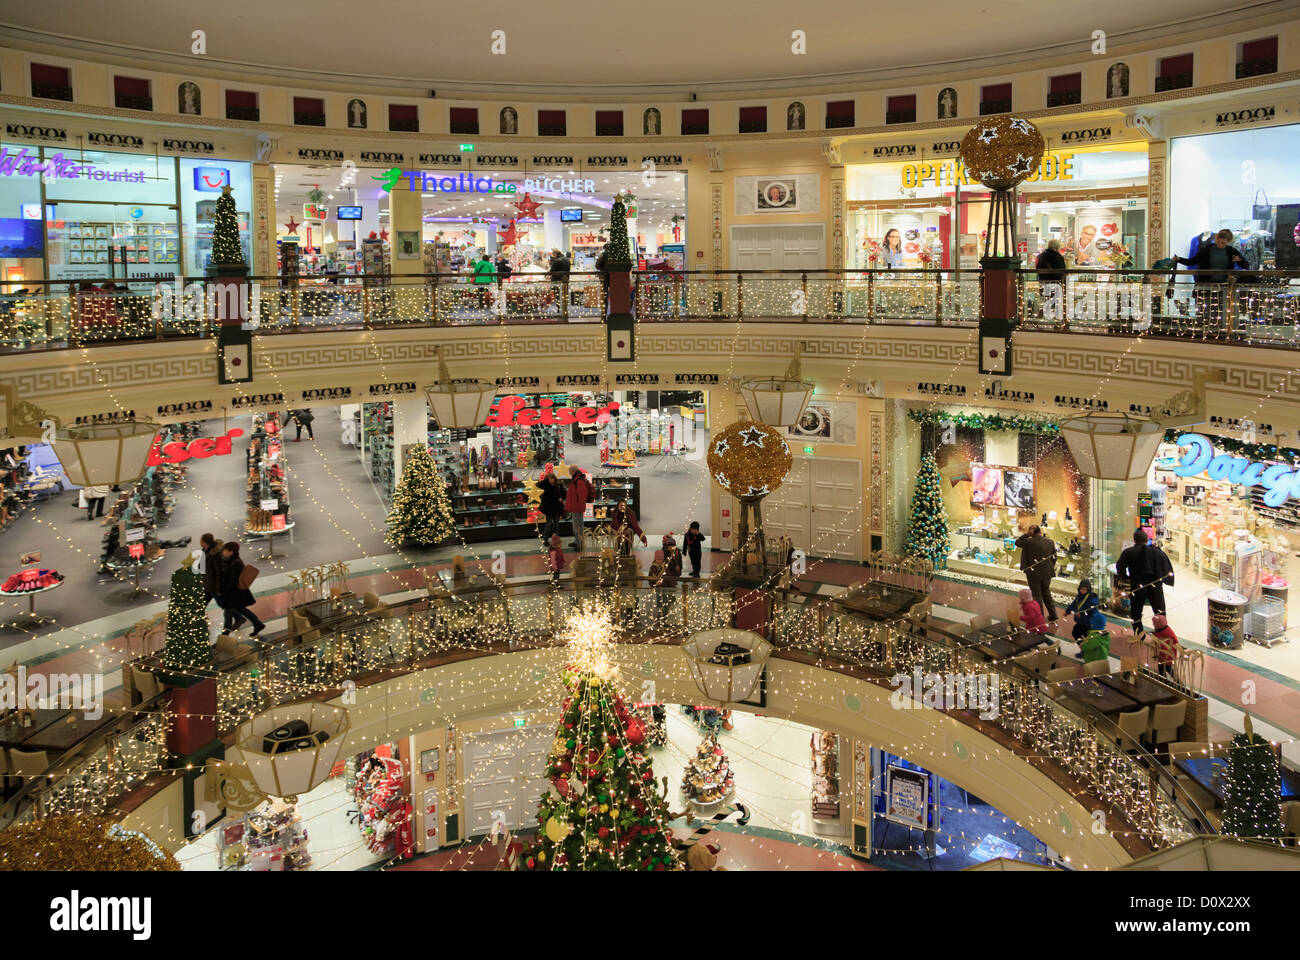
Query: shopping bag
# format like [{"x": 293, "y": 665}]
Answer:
[
  {"x": 1261, "y": 211},
  {"x": 247, "y": 576}
]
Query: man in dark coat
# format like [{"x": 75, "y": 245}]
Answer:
[
  {"x": 1038, "y": 561},
  {"x": 552, "y": 506},
  {"x": 1147, "y": 570}
]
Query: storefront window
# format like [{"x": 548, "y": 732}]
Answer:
[
  {"x": 1245, "y": 181},
  {"x": 22, "y": 236},
  {"x": 201, "y": 183}
]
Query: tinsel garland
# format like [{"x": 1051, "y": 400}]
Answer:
[
  {"x": 985, "y": 421},
  {"x": 1255, "y": 451}
]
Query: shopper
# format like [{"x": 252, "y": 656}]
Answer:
[
  {"x": 1167, "y": 648},
  {"x": 1038, "y": 561},
  {"x": 503, "y": 267},
  {"x": 559, "y": 266},
  {"x": 625, "y": 526},
  {"x": 1051, "y": 273},
  {"x": 1147, "y": 570},
  {"x": 602, "y": 267},
  {"x": 1031, "y": 615},
  {"x": 303, "y": 418},
  {"x": 234, "y": 599},
  {"x": 694, "y": 541},
  {"x": 1083, "y": 606},
  {"x": 552, "y": 506},
  {"x": 555, "y": 558},
  {"x": 484, "y": 276},
  {"x": 95, "y": 496},
  {"x": 576, "y": 498},
  {"x": 1213, "y": 263},
  {"x": 211, "y": 548}
]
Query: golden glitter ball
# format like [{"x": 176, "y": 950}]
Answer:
[
  {"x": 556, "y": 830},
  {"x": 80, "y": 843},
  {"x": 749, "y": 460},
  {"x": 1002, "y": 151}
]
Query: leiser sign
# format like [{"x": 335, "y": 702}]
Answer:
[
  {"x": 199, "y": 449},
  {"x": 509, "y": 411}
]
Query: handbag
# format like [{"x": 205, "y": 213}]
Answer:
[
  {"x": 247, "y": 576},
  {"x": 1261, "y": 211}
]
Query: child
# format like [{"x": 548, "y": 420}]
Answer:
[
  {"x": 1031, "y": 615},
  {"x": 1083, "y": 606},
  {"x": 555, "y": 559},
  {"x": 1167, "y": 648},
  {"x": 693, "y": 541}
]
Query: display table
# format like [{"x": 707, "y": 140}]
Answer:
[
  {"x": 31, "y": 596},
  {"x": 270, "y": 537},
  {"x": 135, "y": 566}
]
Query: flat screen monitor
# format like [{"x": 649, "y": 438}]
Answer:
[
  {"x": 571, "y": 215},
  {"x": 349, "y": 213},
  {"x": 986, "y": 485},
  {"x": 1018, "y": 489}
]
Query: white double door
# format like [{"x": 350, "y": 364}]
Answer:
[
  {"x": 504, "y": 776},
  {"x": 819, "y": 507},
  {"x": 793, "y": 247}
]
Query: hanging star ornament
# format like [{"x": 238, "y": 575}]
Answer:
[
  {"x": 383, "y": 235},
  {"x": 527, "y": 207},
  {"x": 292, "y": 225},
  {"x": 509, "y": 236},
  {"x": 721, "y": 446}
]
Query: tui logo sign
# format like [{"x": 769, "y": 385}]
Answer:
[{"x": 211, "y": 179}]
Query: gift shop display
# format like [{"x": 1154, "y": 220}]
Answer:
[
  {"x": 267, "y": 494},
  {"x": 383, "y": 809},
  {"x": 707, "y": 780},
  {"x": 270, "y": 837}
]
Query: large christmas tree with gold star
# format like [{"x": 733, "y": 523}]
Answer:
[
  {"x": 227, "y": 251},
  {"x": 603, "y": 810}
]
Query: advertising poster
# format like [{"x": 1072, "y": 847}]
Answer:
[
  {"x": 907, "y": 796},
  {"x": 1096, "y": 233}
]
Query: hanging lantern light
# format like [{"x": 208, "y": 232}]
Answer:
[
  {"x": 98, "y": 454},
  {"x": 778, "y": 401},
  {"x": 463, "y": 404},
  {"x": 1112, "y": 446},
  {"x": 727, "y": 662},
  {"x": 289, "y": 750}
]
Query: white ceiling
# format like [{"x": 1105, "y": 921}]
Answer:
[{"x": 599, "y": 46}]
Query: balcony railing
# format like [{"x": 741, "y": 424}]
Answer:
[
  {"x": 1256, "y": 68},
  {"x": 1092, "y": 757},
  {"x": 130, "y": 102},
  {"x": 1260, "y": 308},
  {"x": 1061, "y": 98},
  {"x": 1173, "y": 81}
]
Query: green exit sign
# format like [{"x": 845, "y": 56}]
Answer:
[
  {"x": 808, "y": 450},
  {"x": 467, "y": 148},
  {"x": 519, "y": 721}
]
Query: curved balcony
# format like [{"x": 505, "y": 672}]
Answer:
[{"x": 1044, "y": 761}]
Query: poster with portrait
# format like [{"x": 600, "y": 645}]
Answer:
[
  {"x": 798, "y": 193},
  {"x": 826, "y": 421},
  {"x": 986, "y": 485},
  {"x": 1096, "y": 235},
  {"x": 1018, "y": 489}
]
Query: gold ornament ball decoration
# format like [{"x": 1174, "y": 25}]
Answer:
[
  {"x": 556, "y": 830},
  {"x": 749, "y": 460},
  {"x": 80, "y": 843},
  {"x": 1003, "y": 151}
]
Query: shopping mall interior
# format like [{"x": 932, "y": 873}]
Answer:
[{"x": 807, "y": 441}]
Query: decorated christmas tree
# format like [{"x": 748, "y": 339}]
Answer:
[
  {"x": 927, "y": 530},
  {"x": 227, "y": 251},
  {"x": 707, "y": 779},
  {"x": 603, "y": 810},
  {"x": 421, "y": 514},
  {"x": 187, "y": 624},
  {"x": 618, "y": 250},
  {"x": 1252, "y": 791}
]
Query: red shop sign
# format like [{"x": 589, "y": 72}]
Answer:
[
  {"x": 136, "y": 550},
  {"x": 511, "y": 410},
  {"x": 199, "y": 449},
  {"x": 277, "y": 522}
]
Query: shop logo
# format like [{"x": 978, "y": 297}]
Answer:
[
  {"x": 377, "y": 156},
  {"x": 59, "y": 167},
  {"x": 578, "y": 380},
  {"x": 258, "y": 400},
  {"x": 211, "y": 179},
  {"x": 696, "y": 378},
  {"x": 607, "y": 161},
  {"x": 1233, "y": 118},
  {"x": 116, "y": 140},
  {"x": 942, "y": 389},
  {"x": 199, "y": 449},
  {"x": 432, "y": 183},
  {"x": 1086, "y": 136},
  {"x": 35, "y": 133},
  {"x": 333, "y": 156},
  {"x": 189, "y": 146},
  {"x": 517, "y": 382},
  {"x": 190, "y": 406},
  {"x": 328, "y": 393},
  {"x": 557, "y": 161},
  {"x": 543, "y": 184},
  {"x": 510, "y": 411},
  {"x": 1281, "y": 481},
  {"x": 391, "y": 389},
  {"x": 441, "y": 159},
  {"x": 895, "y": 150}
]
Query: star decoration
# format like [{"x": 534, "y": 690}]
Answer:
[
  {"x": 721, "y": 446},
  {"x": 383, "y": 235},
  {"x": 1021, "y": 125},
  {"x": 226, "y": 190},
  {"x": 721, "y": 478},
  {"x": 785, "y": 447},
  {"x": 1022, "y": 164},
  {"x": 987, "y": 135},
  {"x": 509, "y": 236},
  {"x": 527, "y": 207},
  {"x": 292, "y": 225},
  {"x": 752, "y": 436}
]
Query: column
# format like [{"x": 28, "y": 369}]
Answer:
[
  {"x": 405, "y": 214},
  {"x": 410, "y": 427}
]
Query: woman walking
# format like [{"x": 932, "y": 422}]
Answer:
[{"x": 236, "y": 600}]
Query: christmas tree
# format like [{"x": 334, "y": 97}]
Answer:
[
  {"x": 226, "y": 248},
  {"x": 421, "y": 514},
  {"x": 1252, "y": 792},
  {"x": 618, "y": 251},
  {"x": 603, "y": 810},
  {"x": 707, "y": 778},
  {"x": 927, "y": 531},
  {"x": 187, "y": 624}
]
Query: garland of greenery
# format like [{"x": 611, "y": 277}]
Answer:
[
  {"x": 1255, "y": 451},
  {"x": 986, "y": 421}
]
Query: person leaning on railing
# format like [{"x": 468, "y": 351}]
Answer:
[
  {"x": 1213, "y": 263},
  {"x": 1051, "y": 269}
]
